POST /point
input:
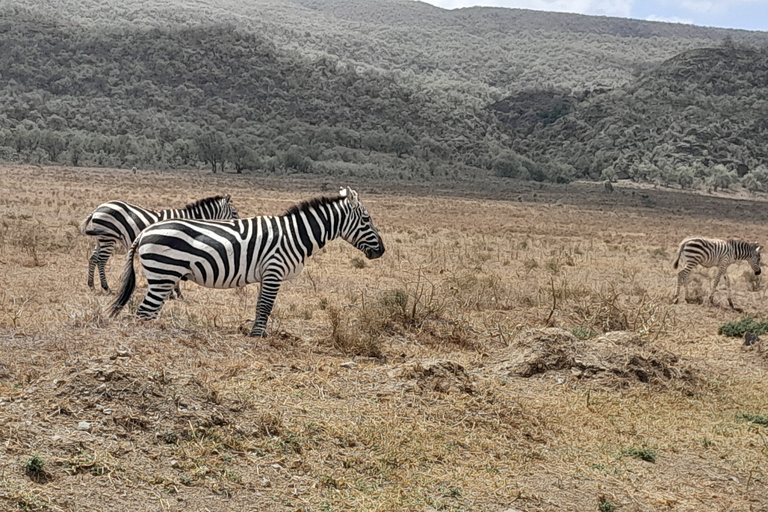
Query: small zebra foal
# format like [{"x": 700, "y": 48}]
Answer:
[
  {"x": 713, "y": 252},
  {"x": 118, "y": 222}
]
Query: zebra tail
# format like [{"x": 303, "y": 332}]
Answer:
[
  {"x": 677, "y": 258},
  {"x": 84, "y": 225},
  {"x": 128, "y": 282}
]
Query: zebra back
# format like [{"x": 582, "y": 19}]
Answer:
[
  {"x": 118, "y": 220},
  {"x": 213, "y": 208},
  {"x": 714, "y": 251}
]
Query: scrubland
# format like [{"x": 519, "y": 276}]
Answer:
[{"x": 514, "y": 349}]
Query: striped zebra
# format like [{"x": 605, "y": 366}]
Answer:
[
  {"x": 713, "y": 252},
  {"x": 117, "y": 221},
  {"x": 231, "y": 254}
]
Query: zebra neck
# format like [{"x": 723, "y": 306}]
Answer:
[
  {"x": 741, "y": 250},
  {"x": 172, "y": 213},
  {"x": 315, "y": 226}
]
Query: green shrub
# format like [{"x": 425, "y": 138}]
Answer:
[
  {"x": 757, "y": 419},
  {"x": 584, "y": 333},
  {"x": 35, "y": 465},
  {"x": 746, "y": 324},
  {"x": 645, "y": 454}
]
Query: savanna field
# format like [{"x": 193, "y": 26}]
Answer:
[{"x": 515, "y": 349}]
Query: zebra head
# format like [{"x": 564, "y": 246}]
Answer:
[
  {"x": 358, "y": 229},
  {"x": 228, "y": 210}
]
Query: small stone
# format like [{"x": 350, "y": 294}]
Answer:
[
  {"x": 349, "y": 364},
  {"x": 84, "y": 425},
  {"x": 174, "y": 463},
  {"x": 108, "y": 411}
]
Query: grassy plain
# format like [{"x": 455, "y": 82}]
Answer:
[{"x": 468, "y": 369}]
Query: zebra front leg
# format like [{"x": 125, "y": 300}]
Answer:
[
  {"x": 267, "y": 294},
  {"x": 728, "y": 285},
  {"x": 720, "y": 273},
  {"x": 153, "y": 301}
]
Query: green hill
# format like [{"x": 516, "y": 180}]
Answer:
[
  {"x": 697, "y": 119},
  {"x": 385, "y": 88}
]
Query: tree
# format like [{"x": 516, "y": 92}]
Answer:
[
  {"x": 212, "y": 149},
  {"x": 721, "y": 178},
  {"x": 53, "y": 143}
]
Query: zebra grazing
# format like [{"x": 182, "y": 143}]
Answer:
[
  {"x": 231, "y": 254},
  {"x": 712, "y": 252},
  {"x": 117, "y": 221}
]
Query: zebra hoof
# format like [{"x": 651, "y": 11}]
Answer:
[{"x": 257, "y": 334}]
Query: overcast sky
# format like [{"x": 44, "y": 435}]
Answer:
[{"x": 746, "y": 14}]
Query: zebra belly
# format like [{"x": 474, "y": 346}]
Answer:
[{"x": 206, "y": 266}]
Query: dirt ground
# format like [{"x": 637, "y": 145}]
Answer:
[{"x": 515, "y": 349}]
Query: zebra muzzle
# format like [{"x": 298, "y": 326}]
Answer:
[{"x": 374, "y": 252}]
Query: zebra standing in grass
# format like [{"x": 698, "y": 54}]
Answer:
[
  {"x": 231, "y": 254},
  {"x": 117, "y": 221},
  {"x": 712, "y": 252}
]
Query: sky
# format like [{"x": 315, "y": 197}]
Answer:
[{"x": 744, "y": 14}]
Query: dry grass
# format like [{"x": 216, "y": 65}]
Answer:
[{"x": 468, "y": 369}]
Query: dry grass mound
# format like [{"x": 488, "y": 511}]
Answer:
[
  {"x": 440, "y": 376},
  {"x": 118, "y": 396},
  {"x": 618, "y": 359}
]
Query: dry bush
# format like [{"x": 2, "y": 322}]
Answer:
[
  {"x": 607, "y": 309},
  {"x": 352, "y": 338}
]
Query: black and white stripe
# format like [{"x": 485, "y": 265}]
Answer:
[
  {"x": 119, "y": 222},
  {"x": 230, "y": 254},
  {"x": 713, "y": 252}
]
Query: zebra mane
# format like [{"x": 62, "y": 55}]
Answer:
[
  {"x": 206, "y": 201},
  {"x": 317, "y": 202}
]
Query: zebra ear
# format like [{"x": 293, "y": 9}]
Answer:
[
  {"x": 227, "y": 197},
  {"x": 343, "y": 192},
  {"x": 353, "y": 199}
]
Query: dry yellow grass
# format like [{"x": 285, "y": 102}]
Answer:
[{"x": 455, "y": 398}]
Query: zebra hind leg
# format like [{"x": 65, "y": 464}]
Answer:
[
  {"x": 92, "y": 262},
  {"x": 101, "y": 254},
  {"x": 682, "y": 282},
  {"x": 153, "y": 301},
  {"x": 106, "y": 253}
]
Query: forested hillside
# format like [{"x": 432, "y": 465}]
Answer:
[
  {"x": 392, "y": 88},
  {"x": 699, "y": 119}
]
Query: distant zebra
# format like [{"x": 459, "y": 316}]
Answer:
[
  {"x": 712, "y": 252},
  {"x": 231, "y": 254},
  {"x": 117, "y": 221}
]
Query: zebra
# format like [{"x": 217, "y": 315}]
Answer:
[
  {"x": 117, "y": 221},
  {"x": 230, "y": 254},
  {"x": 713, "y": 252}
]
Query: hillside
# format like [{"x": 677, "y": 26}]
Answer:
[
  {"x": 698, "y": 117},
  {"x": 396, "y": 88}
]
